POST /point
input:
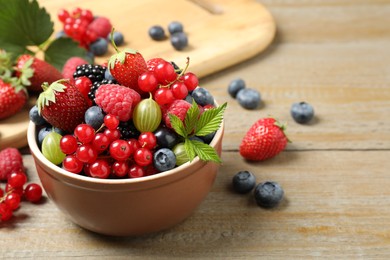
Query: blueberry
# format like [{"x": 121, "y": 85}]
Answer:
[
  {"x": 166, "y": 137},
  {"x": 244, "y": 182},
  {"x": 43, "y": 132},
  {"x": 108, "y": 75},
  {"x": 94, "y": 117},
  {"x": 208, "y": 138},
  {"x": 35, "y": 117},
  {"x": 175, "y": 27},
  {"x": 302, "y": 112},
  {"x": 118, "y": 38},
  {"x": 202, "y": 96},
  {"x": 179, "y": 40},
  {"x": 248, "y": 98},
  {"x": 235, "y": 86},
  {"x": 157, "y": 33},
  {"x": 99, "y": 47},
  {"x": 61, "y": 34},
  {"x": 268, "y": 194},
  {"x": 189, "y": 98},
  {"x": 164, "y": 159}
]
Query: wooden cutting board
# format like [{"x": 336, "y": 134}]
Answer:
[{"x": 221, "y": 33}]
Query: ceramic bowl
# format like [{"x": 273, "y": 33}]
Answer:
[{"x": 127, "y": 207}]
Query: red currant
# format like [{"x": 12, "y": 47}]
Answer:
[
  {"x": 12, "y": 200},
  {"x": 190, "y": 80},
  {"x": 113, "y": 135},
  {"x": 165, "y": 72},
  {"x": 163, "y": 96},
  {"x": 179, "y": 90},
  {"x": 147, "y": 82},
  {"x": 86, "y": 153},
  {"x": 100, "y": 169},
  {"x": 101, "y": 142},
  {"x": 84, "y": 133},
  {"x": 62, "y": 15},
  {"x": 111, "y": 121},
  {"x": 120, "y": 150},
  {"x": 150, "y": 170},
  {"x": 5, "y": 212},
  {"x": 136, "y": 171},
  {"x": 68, "y": 144},
  {"x": 134, "y": 145},
  {"x": 33, "y": 192},
  {"x": 143, "y": 157},
  {"x": 72, "y": 164},
  {"x": 86, "y": 15},
  {"x": 147, "y": 140},
  {"x": 120, "y": 168},
  {"x": 84, "y": 84},
  {"x": 17, "y": 179},
  {"x": 9, "y": 188}
]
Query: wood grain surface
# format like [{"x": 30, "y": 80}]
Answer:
[{"x": 332, "y": 54}]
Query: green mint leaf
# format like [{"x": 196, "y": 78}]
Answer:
[
  {"x": 177, "y": 125},
  {"x": 205, "y": 151},
  {"x": 210, "y": 121},
  {"x": 23, "y": 23},
  {"x": 61, "y": 49},
  {"x": 189, "y": 148},
  {"x": 191, "y": 118}
]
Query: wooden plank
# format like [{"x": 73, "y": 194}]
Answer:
[{"x": 335, "y": 206}]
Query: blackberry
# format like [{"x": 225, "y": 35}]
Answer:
[
  {"x": 128, "y": 130},
  {"x": 96, "y": 85},
  {"x": 93, "y": 72},
  {"x": 178, "y": 70}
]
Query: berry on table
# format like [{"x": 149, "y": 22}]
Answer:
[
  {"x": 248, "y": 98},
  {"x": 235, "y": 86},
  {"x": 175, "y": 27},
  {"x": 33, "y": 192},
  {"x": 117, "y": 37},
  {"x": 302, "y": 112},
  {"x": 244, "y": 182},
  {"x": 164, "y": 159},
  {"x": 10, "y": 160},
  {"x": 99, "y": 47},
  {"x": 179, "y": 40},
  {"x": 268, "y": 194},
  {"x": 157, "y": 33},
  {"x": 93, "y": 72}
]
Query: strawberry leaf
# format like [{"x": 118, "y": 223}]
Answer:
[
  {"x": 177, "y": 125},
  {"x": 23, "y": 23},
  {"x": 210, "y": 120},
  {"x": 191, "y": 118},
  {"x": 61, "y": 49},
  {"x": 205, "y": 151}
]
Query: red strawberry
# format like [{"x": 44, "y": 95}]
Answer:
[
  {"x": 10, "y": 161},
  {"x": 117, "y": 100},
  {"x": 126, "y": 67},
  {"x": 71, "y": 65},
  {"x": 62, "y": 105},
  {"x": 101, "y": 26},
  {"x": 179, "y": 108},
  {"x": 36, "y": 71},
  {"x": 265, "y": 139},
  {"x": 12, "y": 99}
]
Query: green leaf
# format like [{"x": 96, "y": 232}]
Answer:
[
  {"x": 61, "y": 49},
  {"x": 23, "y": 23},
  {"x": 189, "y": 148},
  {"x": 205, "y": 151},
  {"x": 191, "y": 118},
  {"x": 177, "y": 125},
  {"x": 210, "y": 121}
]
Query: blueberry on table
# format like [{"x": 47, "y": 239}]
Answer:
[
  {"x": 235, "y": 86},
  {"x": 175, "y": 27},
  {"x": 268, "y": 194},
  {"x": 179, "y": 40},
  {"x": 99, "y": 47},
  {"x": 302, "y": 112},
  {"x": 244, "y": 182},
  {"x": 248, "y": 98},
  {"x": 117, "y": 37},
  {"x": 157, "y": 33}
]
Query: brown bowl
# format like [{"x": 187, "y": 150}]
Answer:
[{"x": 127, "y": 207}]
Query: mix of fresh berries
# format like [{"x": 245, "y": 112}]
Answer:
[
  {"x": 178, "y": 38},
  {"x": 248, "y": 98},
  {"x": 302, "y": 112},
  {"x": 16, "y": 188},
  {"x": 91, "y": 32},
  {"x": 115, "y": 121},
  {"x": 264, "y": 139}
]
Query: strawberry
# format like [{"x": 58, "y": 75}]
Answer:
[
  {"x": 126, "y": 66},
  {"x": 35, "y": 71},
  {"x": 10, "y": 161},
  {"x": 62, "y": 105},
  {"x": 70, "y": 66},
  {"x": 265, "y": 139},
  {"x": 12, "y": 98}
]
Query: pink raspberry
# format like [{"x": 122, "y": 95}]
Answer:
[
  {"x": 10, "y": 160},
  {"x": 117, "y": 100},
  {"x": 179, "y": 108},
  {"x": 101, "y": 26},
  {"x": 71, "y": 65}
]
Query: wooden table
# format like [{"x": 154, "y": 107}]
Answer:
[{"x": 332, "y": 54}]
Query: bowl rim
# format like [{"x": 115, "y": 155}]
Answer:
[{"x": 31, "y": 139}]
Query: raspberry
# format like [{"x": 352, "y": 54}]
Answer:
[
  {"x": 117, "y": 100},
  {"x": 71, "y": 65},
  {"x": 101, "y": 26},
  {"x": 10, "y": 161},
  {"x": 179, "y": 108}
]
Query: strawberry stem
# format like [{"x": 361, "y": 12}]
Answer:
[{"x": 112, "y": 40}]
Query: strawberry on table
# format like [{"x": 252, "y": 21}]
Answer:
[
  {"x": 12, "y": 98},
  {"x": 62, "y": 105},
  {"x": 36, "y": 71},
  {"x": 265, "y": 139}
]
